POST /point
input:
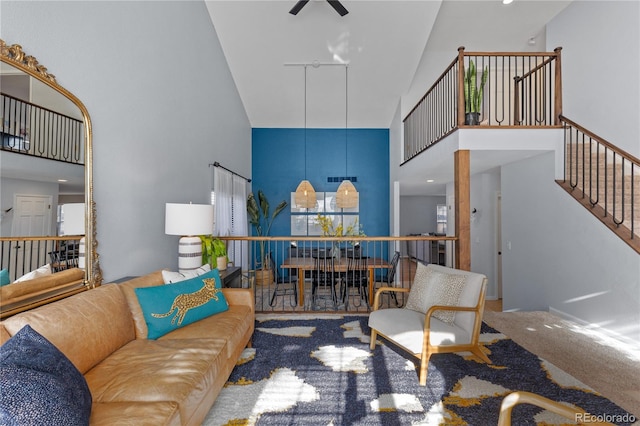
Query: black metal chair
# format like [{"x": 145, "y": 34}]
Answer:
[
  {"x": 324, "y": 279},
  {"x": 282, "y": 285},
  {"x": 388, "y": 278},
  {"x": 356, "y": 277}
]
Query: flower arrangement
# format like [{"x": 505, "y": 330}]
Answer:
[{"x": 329, "y": 230}]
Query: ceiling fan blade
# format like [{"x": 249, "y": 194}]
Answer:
[
  {"x": 296, "y": 8},
  {"x": 338, "y": 7}
]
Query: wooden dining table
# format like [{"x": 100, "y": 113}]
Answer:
[{"x": 302, "y": 264}]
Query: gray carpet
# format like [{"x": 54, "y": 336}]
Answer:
[{"x": 610, "y": 368}]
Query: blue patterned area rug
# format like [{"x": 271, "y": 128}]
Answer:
[{"x": 318, "y": 370}]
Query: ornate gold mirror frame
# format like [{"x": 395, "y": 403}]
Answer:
[{"x": 16, "y": 57}]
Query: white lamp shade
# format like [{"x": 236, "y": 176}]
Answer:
[
  {"x": 188, "y": 219},
  {"x": 346, "y": 195}
]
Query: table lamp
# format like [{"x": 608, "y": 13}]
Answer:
[{"x": 189, "y": 221}]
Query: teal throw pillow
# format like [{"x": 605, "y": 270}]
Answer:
[
  {"x": 4, "y": 277},
  {"x": 169, "y": 307}
]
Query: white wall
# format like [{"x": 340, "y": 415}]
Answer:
[
  {"x": 600, "y": 43},
  {"x": 484, "y": 187},
  {"x": 163, "y": 106},
  {"x": 561, "y": 257}
]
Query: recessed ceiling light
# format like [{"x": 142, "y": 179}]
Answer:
[
  {"x": 507, "y": 1},
  {"x": 430, "y": 181},
  {"x": 62, "y": 180}
]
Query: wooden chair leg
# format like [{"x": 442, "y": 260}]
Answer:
[
  {"x": 424, "y": 367},
  {"x": 372, "y": 344},
  {"x": 477, "y": 351}
]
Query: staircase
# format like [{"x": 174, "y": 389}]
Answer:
[{"x": 604, "y": 179}]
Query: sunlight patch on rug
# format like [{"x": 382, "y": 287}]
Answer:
[
  {"x": 397, "y": 402},
  {"x": 547, "y": 417},
  {"x": 353, "y": 330},
  {"x": 342, "y": 359},
  {"x": 278, "y": 393},
  {"x": 471, "y": 390},
  {"x": 248, "y": 354},
  {"x": 439, "y": 415},
  {"x": 564, "y": 379},
  {"x": 289, "y": 331}
]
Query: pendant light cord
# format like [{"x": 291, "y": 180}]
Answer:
[
  {"x": 305, "y": 122},
  {"x": 346, "y": 112}
]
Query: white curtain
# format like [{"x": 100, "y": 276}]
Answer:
[
  {"x": 231, "y": 213},
  {"x": 223, "y": 189},
  {"x": 240, "y": 250}
]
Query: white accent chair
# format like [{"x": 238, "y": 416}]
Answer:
[{"x": 421, "y": 334}]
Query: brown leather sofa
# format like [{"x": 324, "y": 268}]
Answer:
[
  {"x": 20, "y": 296},
  {"x": 173, "y": 380}
]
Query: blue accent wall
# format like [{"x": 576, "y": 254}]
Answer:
[{"x": 278, "y": 166}]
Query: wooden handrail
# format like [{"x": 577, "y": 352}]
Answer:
[{"x": 601, "y": 140}]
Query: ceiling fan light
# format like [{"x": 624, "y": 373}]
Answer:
[
  {"x": 347, "y": 196},
  {"x": 305, "y": 195}
]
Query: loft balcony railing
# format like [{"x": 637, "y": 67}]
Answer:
[
  {"x": 522, "y": 90},
  {"x": 32, "y": 130},
  {"x": 605, "y": 179},
  {"x": 292, "y": 280}
]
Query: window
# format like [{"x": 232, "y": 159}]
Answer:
[{"x": 304, "y": 222}]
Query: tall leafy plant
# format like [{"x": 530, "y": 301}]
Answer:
[
  {"x": 472, "y": 93},
  {"x": 262, "y": 219}
]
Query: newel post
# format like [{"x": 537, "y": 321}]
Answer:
[
  {"x": 558, "y": 87},
  {"x": 460, "y": 86}
]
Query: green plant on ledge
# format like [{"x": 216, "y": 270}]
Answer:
[
  {"x": 473, "y": 94},
  {"x": 212, "y": 249}
]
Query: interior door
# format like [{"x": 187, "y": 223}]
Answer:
[{"x": 32, "y": 218}]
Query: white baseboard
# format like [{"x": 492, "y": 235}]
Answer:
[{"x": 630, "y": 343}]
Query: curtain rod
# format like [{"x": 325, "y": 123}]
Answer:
[{"x": 216, "y": 164}]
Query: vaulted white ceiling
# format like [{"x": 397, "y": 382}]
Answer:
[
  {"x": 395, "y": 50},
  {"x": 385, "y": 43}
]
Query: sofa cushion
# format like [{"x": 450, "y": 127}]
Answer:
[
  {"x": 156, "y": 413},
  {"x": 179, "y": 370},
  {"x": 171, "y": 277},
  {"x": 86, "y": 327},
  {"x": 431, "y": 288},
  {"x": 406, "y": 328},
  {"x": 232, "y": 325},
  {"x": 39, "y": 384},
  {"x": 45, "y": 282},
  {"x": 36, "y": 273},
  {"x": 128, "y": 289},
  {"x": 169, "y": 307}
]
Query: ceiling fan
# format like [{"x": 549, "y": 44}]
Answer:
[{"x": 334, "y": 3}]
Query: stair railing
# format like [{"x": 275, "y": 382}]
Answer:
[{"x": 604, "y": 178}]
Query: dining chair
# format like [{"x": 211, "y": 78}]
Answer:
[
  {"x": 323, "y": 280},
  {"x": 282, "y": 285},
  {"x": 356, "y": 277},
  {"x": 388, "y": 278}
]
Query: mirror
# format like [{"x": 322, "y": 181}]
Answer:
[{"x": 47, "y": 141}]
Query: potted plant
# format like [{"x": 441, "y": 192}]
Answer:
[
  {"x": 473, "y": 94},
  {"x": 214, "y": 250},
  {"x": 262, "y": 220}
]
